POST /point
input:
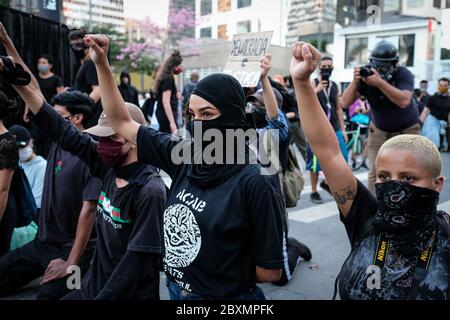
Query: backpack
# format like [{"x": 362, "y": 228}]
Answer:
[
  {"x": 292, "y": 180},
  {"x": 25, "y": 204}
]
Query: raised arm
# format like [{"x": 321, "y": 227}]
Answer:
[
  {"x": 270, "y": 101},
  {"x": 319, "y": 132},
  {"x": 112, "y": 100}
]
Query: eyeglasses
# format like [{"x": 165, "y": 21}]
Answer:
[{"x": 70, "y": 117}]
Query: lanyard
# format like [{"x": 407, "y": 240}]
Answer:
[
  {"x": 423, "y": 259},
  {"x": 327, "y": 96}
]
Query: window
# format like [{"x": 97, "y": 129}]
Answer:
[
  {"x": 244, "y": 3},
  {"x": 416, "y": 3},
  {"x": 244, "y": 27},
  {"x": 437, "y": 4},
  {"x": 447, "y": 4},
  {"x": 222, "y": 32},
  {"x": 356, "y": 52},
  {"x": 391, "y": 5},
  {"x": 406, "y": 49},
  {"x": 206, "y": 32},
  {"x": 224, "y": 5},
  {"x": 205, "y": 7}
]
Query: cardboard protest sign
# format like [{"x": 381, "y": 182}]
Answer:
[{"x": 246, "y": 52}]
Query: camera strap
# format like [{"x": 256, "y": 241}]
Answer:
[
  {"x": 327, "y": 96},
  {"x": 422, "y": 263}
]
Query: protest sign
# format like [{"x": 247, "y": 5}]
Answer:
[{"x": 245, "y": 55}]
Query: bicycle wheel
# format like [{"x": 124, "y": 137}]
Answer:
[{"x": 356, "y": 159}]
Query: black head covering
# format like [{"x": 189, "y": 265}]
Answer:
[{"x": 227, "y": 95}]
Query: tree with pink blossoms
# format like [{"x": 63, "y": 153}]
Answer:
[{"x": 143, "y": 55}]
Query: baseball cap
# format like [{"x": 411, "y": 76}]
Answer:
[
  {"x": 259, "y": 96},
  {"x": 21, "y": 134},
  {"x": 104, "y": 129}
]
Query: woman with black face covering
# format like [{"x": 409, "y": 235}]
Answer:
[
  {"x": 400, "y": 240},
  {"x": 222, "y": 223}
]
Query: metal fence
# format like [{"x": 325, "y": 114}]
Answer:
[{"x": 34, "y": 36}]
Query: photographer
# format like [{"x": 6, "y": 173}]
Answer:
[{"x": 389, "y": 90}]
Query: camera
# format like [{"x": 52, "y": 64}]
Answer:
[{"x": 366, "y": 71}]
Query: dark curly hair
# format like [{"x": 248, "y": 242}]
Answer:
[
  {"x": 167, "y": 69},
  {"x": 75, "y": 102},
  {"x": 6, "y": 106}
]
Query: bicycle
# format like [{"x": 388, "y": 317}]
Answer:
[{"x": 357, "y": 147}]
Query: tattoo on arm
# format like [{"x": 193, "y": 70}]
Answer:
[{"x": 347, "y": 194}]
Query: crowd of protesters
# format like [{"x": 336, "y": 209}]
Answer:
[{"x": 81, "y": 183}]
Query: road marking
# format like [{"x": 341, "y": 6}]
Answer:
[{"x": 316, "y": 213}]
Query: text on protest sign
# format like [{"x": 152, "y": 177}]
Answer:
[{"x": 245, "y": 55}]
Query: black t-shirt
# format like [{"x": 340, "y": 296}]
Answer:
[
  {"x": 168, "y": 84},
  {"x": 86, "y": 77},
  {"x": 84, "y": 81},
  {"x": 398, "y": 274},
  {"x": 385, "y": 114},
  {"x": 9, "y": 153},
  {"x": 9, "y": 159},
  {"x": 439, "y": 106},
  {"x": 329, "y": 96},
  {"x": 49, "y": 85},
  {"x": 215, "y": 238},
  {"x": 128, "y": 219},
  {"x": 129, "y": 94},
  {"x": 68, "y": 182}
]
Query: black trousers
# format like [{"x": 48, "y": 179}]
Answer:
[{"x": 19, "y": 267}]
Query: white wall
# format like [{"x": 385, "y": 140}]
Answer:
[
  {"x": 419, "y": 28},
  {"x": 265, "y": 15}
]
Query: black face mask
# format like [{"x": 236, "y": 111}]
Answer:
[
  {"x": 326, "y": 73},
  {"x": 407, "y": 214},
  {"x": 260, "y": 117},
  {"x": 78, "y": 53}
]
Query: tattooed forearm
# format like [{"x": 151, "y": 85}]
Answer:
[{"x": 347, "y": 194}]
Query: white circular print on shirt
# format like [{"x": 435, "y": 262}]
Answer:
[{"x": 182, "y": 238}]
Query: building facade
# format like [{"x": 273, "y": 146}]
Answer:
[
  {"x": 311, "y": 20},
  {"x": 79, "y": 13},
  {"x": 415, "y": 27},
  {"x": 221, "y": 19},
  {"x": 48, "y": 9}
]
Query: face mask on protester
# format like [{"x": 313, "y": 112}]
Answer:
[
  {"x": 326, "y": 72},
  {"x": 25, "y": 154},
  {"x": 260, "y": 117},
  {"x": 78, "y": 51},
  {"x": 178, "y": 70},
  {"x": 111, "y": 152},
  {"x": 43, "y": 68},
  {"x": 407, "y": 214}
]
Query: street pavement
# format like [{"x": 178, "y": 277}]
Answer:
[{"x": 320, "y": 228}]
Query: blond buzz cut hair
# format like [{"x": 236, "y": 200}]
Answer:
[{"x": 428, "y": 153}]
